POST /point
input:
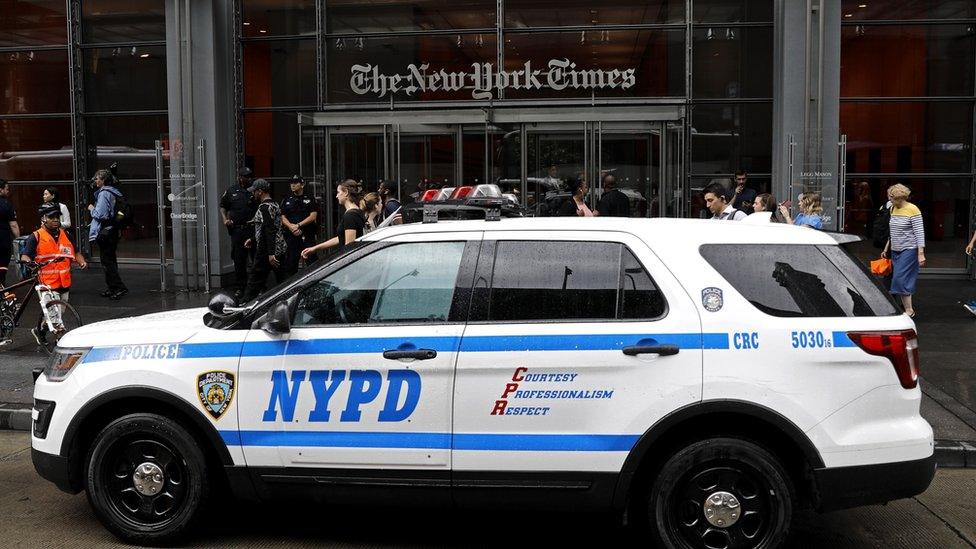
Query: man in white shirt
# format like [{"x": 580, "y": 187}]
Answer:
[{"x": 716, "y": 199}]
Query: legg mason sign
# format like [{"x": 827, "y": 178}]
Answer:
[{"x": 484, "y": 80}]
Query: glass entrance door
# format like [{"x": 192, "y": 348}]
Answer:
[
  {"x": 630, "y": 161},
  {"x": 556, "y": 156},
  {"x": 425, "y": 157}
]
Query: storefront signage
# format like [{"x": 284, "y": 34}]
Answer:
[{"x": 484, "y": 80}]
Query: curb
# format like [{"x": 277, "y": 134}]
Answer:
[
  {"x": 17, "y": 419},
  {"x": 955, "y": 454}
]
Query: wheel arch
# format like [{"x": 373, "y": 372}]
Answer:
[
  {"x": 719, "y": 418},
  {"x": 111, "y": 405}
]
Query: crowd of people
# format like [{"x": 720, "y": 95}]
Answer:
[{"x": 269, "y": 238}]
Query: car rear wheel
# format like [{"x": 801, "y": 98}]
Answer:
[
  {"x": 146, "y": 479},
  {"x": 721, "y": 493}
]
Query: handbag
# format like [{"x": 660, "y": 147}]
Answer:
[{"x": 881, "y": 266}]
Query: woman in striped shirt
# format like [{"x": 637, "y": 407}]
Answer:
[{"x": 907, "y": 245}]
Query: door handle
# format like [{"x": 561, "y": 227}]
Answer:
[
  {"x": 419, "y": 354},
  {"x": 663, "y": 350}
]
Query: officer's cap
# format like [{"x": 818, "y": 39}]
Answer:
[
  {"x": 245, "y": 172},
  {"x": 297, "y": 179}
]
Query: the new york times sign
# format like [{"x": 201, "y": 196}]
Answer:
[{"x": 484, "y": 80}]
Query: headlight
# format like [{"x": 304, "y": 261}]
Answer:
[{"x": 62, "y": 362}]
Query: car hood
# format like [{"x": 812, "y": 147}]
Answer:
[{"x": 165, "y": 327}]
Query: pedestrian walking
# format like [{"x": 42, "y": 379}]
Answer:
[
  {"x": 50, "y": 195},
  {"x": 906, "y": 245},
  {"x": 575, "y": 205},
  {"x": 9, "y": 229},
  {"x": 237, "y": 208},
  {"x": 971, "y": 304},
  {"x": 743, "y": 196},
  {"x": 388, "y": 193},
  {"x": 765, "y": 204},
  {"x": 47, "y": 243},
  {"x": 105, "y": 231},
  {"x": 266, "y": 239},
  {"x": 372, "y": 207},
  {"x": 716, "y": 200},
  {"x": 614, "y": 202},
  {"x": 352, "y": 224},
  {"x": 299, "y": 220},
  {"x": 811, "y": 210}
]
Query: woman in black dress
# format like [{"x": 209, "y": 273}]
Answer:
[{"x": 352, "y": 224}]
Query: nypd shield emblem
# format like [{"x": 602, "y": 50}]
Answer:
[
  {"x": 712, "y": 299},
  {"x": 216, "y": 390}
]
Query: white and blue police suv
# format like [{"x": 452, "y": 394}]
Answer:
[{"x": 704, "y": 378}]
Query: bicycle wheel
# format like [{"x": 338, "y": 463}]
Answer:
[{"x": 70, "y": 319}]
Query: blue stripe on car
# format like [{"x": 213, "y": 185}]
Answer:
[
  {"x": 437, "y": 441},
  {"x": 501, "y": 343}
]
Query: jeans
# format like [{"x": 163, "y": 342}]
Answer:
[
  {"x": 108, "y": 244},
  {"x": 257, "y": 277}
]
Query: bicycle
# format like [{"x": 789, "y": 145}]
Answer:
[{"x": 59, "y": 316}]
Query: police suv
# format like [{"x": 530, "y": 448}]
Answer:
[{"x": 705, "y": 379}]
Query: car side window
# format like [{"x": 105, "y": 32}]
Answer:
[
  {"x": 409, "y": 282},
  {"x": 562, "y": 280}
]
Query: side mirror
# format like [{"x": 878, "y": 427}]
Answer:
[
  {"x": 220, "y": 303},
  {"x": 276, "y": 320}
]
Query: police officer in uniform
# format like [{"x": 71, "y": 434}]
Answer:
[
  {"x": 298, "y": 221},
  {"x": 237, "y": 207}
]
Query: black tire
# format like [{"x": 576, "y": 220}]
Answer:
[
  {"x": 70, "y": 319},
  {"x": 675, "y": 505},
  {"x": 165, "y": 516}
]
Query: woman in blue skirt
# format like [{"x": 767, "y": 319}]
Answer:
[{"x": 906, "y": 243}]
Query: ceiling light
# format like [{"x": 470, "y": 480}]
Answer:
[
  {"x": 262, "y": 31},
  {"x": 246, "y": 23},
  {"x": 862, "y": 6},
  {"x": 145, "y": 55},
  {"x": 848, "y": 15}
]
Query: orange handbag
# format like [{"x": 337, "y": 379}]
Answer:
[{"x": 881, "y": 266}]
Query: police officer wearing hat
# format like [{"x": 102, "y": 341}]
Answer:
[
  {"x": 298, "y": 219},
  {"x": 237, "y": 207}
]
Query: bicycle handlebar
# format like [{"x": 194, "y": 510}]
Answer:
[{"x": 34, "y": 266}]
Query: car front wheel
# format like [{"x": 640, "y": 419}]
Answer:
[
  {"x": 721, "y": 493},
  {"x": 146, "y": 479}
]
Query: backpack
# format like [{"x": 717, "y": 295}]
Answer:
[
  {"x": 881, "y": 229},
  {"x": 123, "y": 212}
]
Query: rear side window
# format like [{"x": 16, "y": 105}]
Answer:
[
  {"x": 535, "y": 280},
  {"x": 799, "y": 280}
]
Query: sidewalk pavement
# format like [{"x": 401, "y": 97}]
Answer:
[{"x": 947, "y": 340}]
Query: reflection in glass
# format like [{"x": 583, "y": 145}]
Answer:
[
  {"x": 32, "y": 23},
  {"x": 733, "y": 63},
  {"x": 732, "y": 11},
  {"x": 352, "y": 16},
  {"x": 633, "y": 160},
  {"x": 359, "y": 157},
  {"x": 277, "y": 17},
  {"x": 36, "y": 149},
  {"x": 726, "y": 137},
  {"x": 426, "y": 162},
  {"x": 605, "y": 63},
  {"x": 382, "y": 67},
  {"x": 902, "y": 137},
  {"x": 536, "y": 13},
  {"x": 854, "y": 10},
  {"x": 125, "y": 78},
  {"x": 129, "y": 21},
  {"x": 271, "y": 143},
  {"x": 505, "y": 158},
  {"x": 34, "y": 82},
  {"x": 280, "y": 73},
  {"x": 945, "y": 212},
  {"x": 26, "y": 199},
  {"x": 141, "y": 240},
  {"x": 906, "y": 61},
  {"x": 555, "y": 160},
  {"x": 555, "y": 280},
  {"x": 128, "y": 140}
]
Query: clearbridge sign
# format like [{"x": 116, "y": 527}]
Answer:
[{"x": 484, "y": 80}]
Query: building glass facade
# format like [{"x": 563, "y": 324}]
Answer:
[{"x": 666, "y": 95}]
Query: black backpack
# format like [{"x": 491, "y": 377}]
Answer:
[
  {"x": 123, "y": 212},
  {"x": 880, "y": 230}
]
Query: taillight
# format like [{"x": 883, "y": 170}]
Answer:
[
  {"x": 461, "y": 192},
  {"x": 901, "y": 348},
  {"x": 429, "y": 195}
]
